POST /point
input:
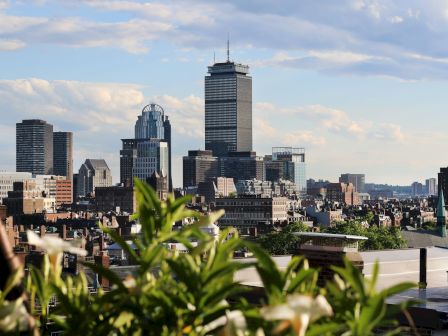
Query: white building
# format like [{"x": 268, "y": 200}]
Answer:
[{"x": 7, "y": 180}]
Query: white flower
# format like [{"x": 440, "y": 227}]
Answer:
[
  {"x": 298, "y": 311},
  {"x": 13, "y": 316},
  {"x": 234, "y": 324},
  {"x": 55, "y": 245}
]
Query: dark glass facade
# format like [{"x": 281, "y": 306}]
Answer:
[
  {"x": 34, "y": 147},
  {"x": 63, "y": 154}
]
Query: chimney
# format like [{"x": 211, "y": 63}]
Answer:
[
  {"x": 103, "y": 260},
  {"x": 64, "y": 232},
  {"x": 42, "y": 231}
]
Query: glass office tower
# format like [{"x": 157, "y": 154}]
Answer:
[
  {"x": 293, "y": 167},
  {"x": 228, "y": 108}
]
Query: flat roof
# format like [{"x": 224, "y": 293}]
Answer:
[{"x": 329, "y": 235}]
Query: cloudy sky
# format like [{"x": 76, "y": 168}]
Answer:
[{"x": 361, "y": 84}]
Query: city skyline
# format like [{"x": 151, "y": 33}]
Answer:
[{"x": 355, "y": 107}]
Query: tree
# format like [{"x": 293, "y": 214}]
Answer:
[{"x": 283, "y": 242}]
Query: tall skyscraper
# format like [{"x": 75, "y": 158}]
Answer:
[
  {"x": 228, "y": 108},
  {"x": 34, "y": 147},
  {"x": 150, "y": 150},
  {"x": 358, "y": 181},
  {"x": 63, "y": 154},
  {"x": 288, "y": 163}
]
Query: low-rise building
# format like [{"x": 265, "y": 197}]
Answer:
[
  {"x": 116, "y": 198},
  {"x": 342, "y": 193},
  {"x": 250, "y": 212}
]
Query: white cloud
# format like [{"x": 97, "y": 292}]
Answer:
[{"x": 10, "y": 45}]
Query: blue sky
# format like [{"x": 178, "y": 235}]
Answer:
[{"x": 361, "y": 84}]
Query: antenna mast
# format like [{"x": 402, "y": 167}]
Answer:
[{"x": 228, "y": 47}]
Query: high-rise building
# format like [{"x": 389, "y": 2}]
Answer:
[
  {"x": 228, "y": 108},
  {"x": 152, "y": 156},
  {"x": 358, "y": 181},
  {"x": 442, "y": 183},
  {"x": 417, "y": 189},
  {"x": 92, "y": 174},
  {"x": 431, "y": 186},
  {"x": 287, "y": 163},
  {"x": 34, "y": 147},
  {"x": 150, "y": 150},
  {"x": 63, "y": 154},
  {"x": 199, "y": 166}
]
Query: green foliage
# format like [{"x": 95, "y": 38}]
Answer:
[
  {"x": 283, "y": 242},
  {"x": 379, "y": 238},
  {"x": 196, "y": 293},
  {"x": 358, "y": 307}
]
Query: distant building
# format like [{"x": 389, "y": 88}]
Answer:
[
  {"x": 34, "y": 147},
  {"x": 254, "y": 187},
  {"x": 358, "y": 181},
  {"x": 242, "y": 166},
  {"x": 150, "y": 150},
  {"x": 159, "y": 182},
  {"x": 199, "y": 166},
  {"x": 287, "y": 163},
  {"x": 7, "y": 180},
  {"x": 64, "y": 192},
  {"x": 57, "y": 187},
  {"x": 216, "y": 188},
  {"x": 93, "y": 173},
  {"x": 252, "y": 212},
  {"x": 381, "y": 194},
  {"x": 417, "y": 189},
  {"x": 443, "y": 181},
  {"x": 152, "y": 156},
  {"x": 63, "y": 154},
  {"x": 342, "y": 193},
  {"x": 281, "y": 188},
  {"x": 27, "y": 198},
  {"x": 228, "y": 108},
  {"x": 115, "y": 198},
  {"x": 431, "y": 186}
]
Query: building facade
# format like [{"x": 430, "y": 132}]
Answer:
[
  {"x": 115, "y": 198},
  {"x": 28, "y": 198},
  {"x": 342, "y": 193},
  {"x": 242, "y": 166},
  {"x": 34, "y": 147},
  {"x": 252, "y": 212},
  {"x": 199, "y": 166},
  {"x": 431, "y": 186},
  {"x": 63, "y": 154},
  {"x": 228, "y": 108},
  {"x": 152, "y": 156},
  {"x": 358, "y": 181},
  {"x": 7, "y": 180},
  {"x": 287, "y": 163},
  {"x": 150, "y": 150},
  {"x": 443, "y": 181},
  {"x": 93, "y": 173}
]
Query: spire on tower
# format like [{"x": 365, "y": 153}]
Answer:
[{"x": 228, "y": 47}]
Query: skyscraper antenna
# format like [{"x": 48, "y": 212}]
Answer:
[
  {"x": 228, "y": 47},
  {"x": 214, "y": 57}
]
